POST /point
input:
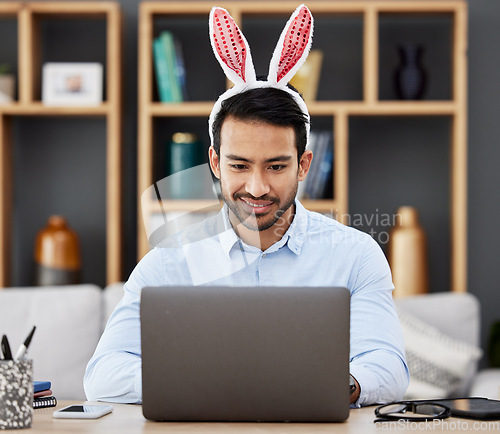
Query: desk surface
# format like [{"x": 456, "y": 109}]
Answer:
[{"x": 129, "y": 419}]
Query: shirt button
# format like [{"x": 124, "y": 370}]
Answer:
[{"x": 264, "y": 255}]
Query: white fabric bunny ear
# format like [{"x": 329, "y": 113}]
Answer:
[
  {"x": 292, "y": 48},
  {"x": 230, "y": 47}
]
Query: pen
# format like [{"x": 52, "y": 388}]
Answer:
[
  {"x": 24, "y": 347},
  {"x": 7, "y": 355}
]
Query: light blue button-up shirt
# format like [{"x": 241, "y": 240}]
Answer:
[{"x": 315, "y": 251}]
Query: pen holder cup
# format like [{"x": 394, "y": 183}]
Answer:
[{"x": 16, "y": 394}]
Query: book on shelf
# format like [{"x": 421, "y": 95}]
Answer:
[
  {"x": 169, "y": 68},
  {"x": 317, "y": 146},
  {"x": 180, "y": 69},
  {"x": 161, "y": 69},
  {"x": 324, "y": 165},
  {"x": 315, "y": 185},
  {"x": 167, "y": 39},
  {"x": 325, "y": 172}
]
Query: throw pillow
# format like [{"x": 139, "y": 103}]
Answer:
[{"x": 438, "y": 363}]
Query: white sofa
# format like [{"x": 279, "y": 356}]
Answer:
[{"x": 70, "y": 320}]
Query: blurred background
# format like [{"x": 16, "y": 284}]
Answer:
[{"x": 59, "y": 163}]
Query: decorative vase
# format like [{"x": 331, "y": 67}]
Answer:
[
  {"x": 410, "y": 77},
  {"x": 57, "y": 254},
  {"x": 184, "y": 152},
  {"x": 407, "y": 254}
]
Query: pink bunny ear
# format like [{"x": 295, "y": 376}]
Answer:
[
  {"x": 293, "y": 47},
  {"x": 230, "y": 47}
]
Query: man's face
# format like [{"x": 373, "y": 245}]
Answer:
[{"x": 258, "y": 171}]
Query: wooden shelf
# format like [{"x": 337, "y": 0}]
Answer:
[
  {"x": 28, "y": 16},
  {"x": 73, "y": 8},
  {"x": 10, "y": 9},
  {"x": 37, "y": 108},
  {"x": 196, "y": 206},
  {"x": 340, "y": 111},
  {"x": 322, "y": 108},
  {"x": 317, "y": 7},
  {"x": 159, "y": 109},
  {"x": 383, "y": 108}
]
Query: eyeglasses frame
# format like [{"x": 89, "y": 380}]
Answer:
[{"x": 389, "y": 417}]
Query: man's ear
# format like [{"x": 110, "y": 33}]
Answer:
[
  {"x": 214, "y": 160},
  {"x": 305, "y": 164}
]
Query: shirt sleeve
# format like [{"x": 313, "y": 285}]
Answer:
[
  {"x": 377, "y": 358},
  {"x": 114, "y": 372}
]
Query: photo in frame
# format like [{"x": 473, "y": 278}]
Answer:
[{"x": 72, "y": 84}]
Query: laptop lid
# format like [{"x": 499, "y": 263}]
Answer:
[{"x": 245, "y": 353}]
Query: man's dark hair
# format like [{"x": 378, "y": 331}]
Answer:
[{"x": 268, "y": 105}]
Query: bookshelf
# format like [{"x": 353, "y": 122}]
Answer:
[
  {"x": 28, "y": 17},
  {"x": 155, "y": 15}
]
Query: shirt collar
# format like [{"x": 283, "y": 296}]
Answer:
[{"x": 293, "y": 237}]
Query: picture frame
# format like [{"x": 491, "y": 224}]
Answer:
[{"x": 72, "y": 84}]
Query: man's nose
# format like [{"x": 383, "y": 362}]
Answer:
[{"x": 257, "y": 185}]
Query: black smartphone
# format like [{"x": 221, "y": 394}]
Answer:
[{"x": 473, "y": 408}]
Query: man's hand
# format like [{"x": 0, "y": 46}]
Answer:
[{"x": 355, "y": 394}]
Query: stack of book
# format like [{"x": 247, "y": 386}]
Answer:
[
  {"x": 42, "y": 395},
  {"x": 169, "y": 68},
  {"x": 316, "y": 185}
]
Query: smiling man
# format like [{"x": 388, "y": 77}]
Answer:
[{"x": 263, "y": 236}]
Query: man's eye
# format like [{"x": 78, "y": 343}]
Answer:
[
  {"x": 277, "y": 167},
  {"x": 238, "y": 166}
]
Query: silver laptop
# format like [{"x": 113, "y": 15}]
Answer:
[{"x": 245, "y": 354}]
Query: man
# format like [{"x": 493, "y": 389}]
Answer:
[
  {"x": 259, "y": 158},
  {"x": 263, "y": 236}
]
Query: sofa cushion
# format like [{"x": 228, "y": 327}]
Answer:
[
  {"x": 68, "y": 321},
  {"x": 438, "y": 363},
  {"x": 456, "y": 315}
]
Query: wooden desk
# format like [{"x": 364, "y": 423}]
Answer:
[{"x": 129, "y": 419}]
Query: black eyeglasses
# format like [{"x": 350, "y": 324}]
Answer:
[{"x": 411, "y": 411}]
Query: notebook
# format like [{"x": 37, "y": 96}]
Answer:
[
  {"x": 39, "y": 386},
  {"x": 42, "y": 395},
  {"x": 245, "y": 354},
  {"x": 44, "y": 402}
]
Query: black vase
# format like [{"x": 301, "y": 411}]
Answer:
[{"x": 410, "y": 77}]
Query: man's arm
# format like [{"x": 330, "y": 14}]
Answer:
[
  {"x": 114, "y": 371},
  {"x": 377, "y": 359}
]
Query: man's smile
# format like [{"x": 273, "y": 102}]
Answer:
[{"x": 256, "y": 206}]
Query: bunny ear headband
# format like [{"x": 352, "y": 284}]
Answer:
[{"x": 233, "y": 53}]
